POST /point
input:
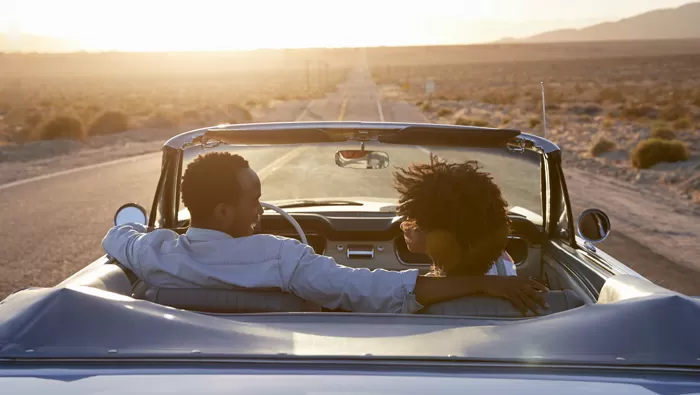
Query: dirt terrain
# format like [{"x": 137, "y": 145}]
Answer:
[{"x": 655, "y": 221}]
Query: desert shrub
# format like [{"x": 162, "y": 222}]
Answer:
[
  {"x": 534, "y": 122},
  {"x": 62, "y": 127},
  {"x": 663, "y": 133},
  {"x": 682, "y": 124},
  {"x": 109, "y": 122},
  {"x": 191, "y": 114},
  {"x": 33, "y": 119},
  {"x": 653, "y": 151},
  {"x": 612, "y": 95},
  {"x": 239, "y": 114},
  {"x": 590, "y": 109},
  {"x": 444, "y": 111},
  {"x": 500, "y": 98},
  {"x": 673, "y": 112},
  {"x": 462, "y": 121},
  {"x": 633, "y": 112},
  {"x": 426, "y": 106},
  {"x": 607, "y": 124},
  {"x": 506, "y": 120},
  {"x": 162, "y": 119},
  {"x": 602, "y": 145}
]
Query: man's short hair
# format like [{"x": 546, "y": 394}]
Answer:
[
  {"x": 464, "y": 201},
  {"x": 211, "y": 179}
]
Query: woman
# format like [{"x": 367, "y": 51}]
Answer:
[{"x": 456, "y": 214}]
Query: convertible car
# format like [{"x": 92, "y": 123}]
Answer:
[{"x": 329, "y": 184}]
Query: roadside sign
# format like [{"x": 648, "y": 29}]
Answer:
[{"x": 429, "y": 87}]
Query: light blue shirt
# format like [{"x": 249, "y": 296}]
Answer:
[{"x": 212, "y": 259}]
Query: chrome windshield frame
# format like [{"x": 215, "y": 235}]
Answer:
[{"x": 167, "y": 196}]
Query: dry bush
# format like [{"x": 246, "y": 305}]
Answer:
[
  {"x": 239, "y": 114},
  {"x": 109, "y": 122},
  {"x": 534, "y": 122},
  {"x": 496, "y": 97},
  {"x": 162, "y": 120},
  {"x": 444, "y": 111},
  {"x": 590, "y": 109},
  {"x": 682, "y": 124},
  {"x": 650, "y": 152},
  {"x": 673, "y": 112},
  {"x": 426, "y": 106},
  {"x": 62, "y": 127},
  {"x": 612, "y": 95},
  {"x": 602, "y": 145},
  {"x": 641, "y": 111},
  {"x": 663, "y": 133},
  {"x": 462, "y": 121}
]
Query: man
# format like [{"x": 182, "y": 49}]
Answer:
[
  {"x": 457, "y": 215},
  {"x": 219, "y": 249}
]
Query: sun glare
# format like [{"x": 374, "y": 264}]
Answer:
[{"x": 212, "y": 25}]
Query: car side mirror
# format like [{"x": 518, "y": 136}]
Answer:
[
  {"x": 593, "y": 226},
  {"x": 131, "y": 213}
]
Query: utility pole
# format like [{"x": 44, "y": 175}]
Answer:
[{"x": 308, "y": 76}]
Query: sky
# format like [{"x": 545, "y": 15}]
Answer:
[{"x": 165, "y": 25}]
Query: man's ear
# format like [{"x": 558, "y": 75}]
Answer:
[{"x": 222, "y": 211}]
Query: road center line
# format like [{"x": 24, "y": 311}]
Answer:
[
  {"x": 343, "y": 108},
  {"x": 379, "y": 110},
  {"x": 76, "y": 170}
]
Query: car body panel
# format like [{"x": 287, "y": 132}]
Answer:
[
  {"x": 52, "y": 323},
  {"x": 373, "y": 380}
]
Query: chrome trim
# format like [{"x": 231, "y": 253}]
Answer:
[
  {"x": 364, "y": 253},
  {"x": 186, "y": 138},
  {"x": 445, "y": 361}
]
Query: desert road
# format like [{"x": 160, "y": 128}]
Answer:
[{"x": 53, "y": 226}]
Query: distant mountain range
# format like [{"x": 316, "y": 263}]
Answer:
[{"x": 672, "y": 23}]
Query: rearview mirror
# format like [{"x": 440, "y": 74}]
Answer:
[
  {"x": 131, "y": 213},
  {"x": 362, "y": 159},
  {"x": 593, "y": 225}
]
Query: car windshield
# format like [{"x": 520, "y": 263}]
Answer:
[{"x": 311, "y": 174}]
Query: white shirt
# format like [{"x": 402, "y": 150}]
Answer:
[{"x": 212, "y": 259}]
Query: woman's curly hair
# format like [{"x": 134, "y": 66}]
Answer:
[{"x": 461, "y": 199}]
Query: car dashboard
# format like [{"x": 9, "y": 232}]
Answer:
[{"x": 374, "y": 240}]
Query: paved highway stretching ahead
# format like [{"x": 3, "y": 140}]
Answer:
[{"x": 52, "y": 227}]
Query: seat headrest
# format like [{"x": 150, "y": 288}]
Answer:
[
  {"x": 243, "y": 300},
  {"x": 486, "y": 306}
]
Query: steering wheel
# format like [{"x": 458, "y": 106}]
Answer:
[{"x": 289, "y": 218}]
